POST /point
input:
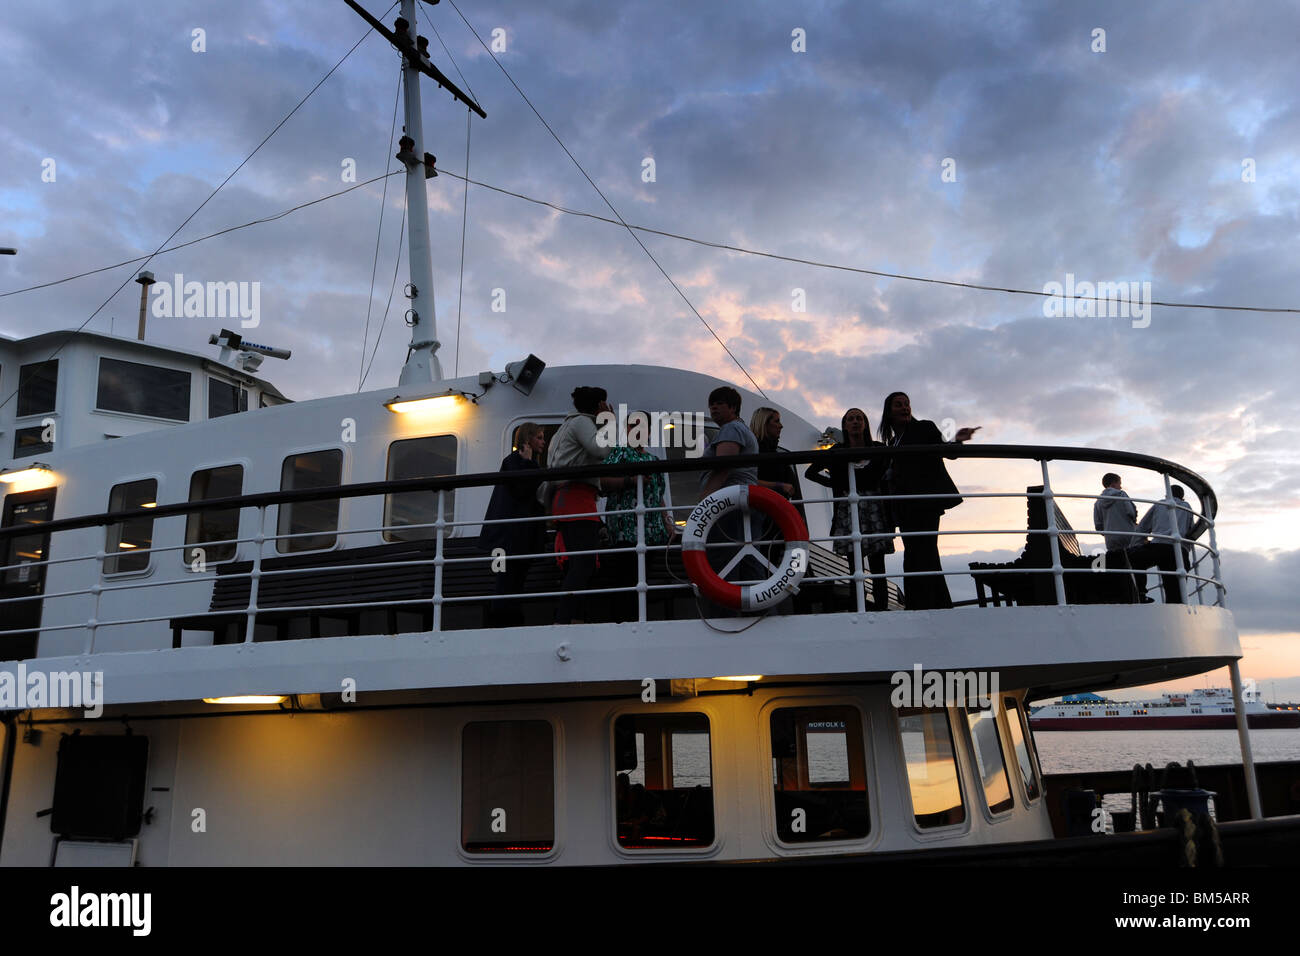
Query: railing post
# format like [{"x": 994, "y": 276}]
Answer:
[
  {"x": 855, "y": 560},
  {"x": 93, "y": 624},
  {"x": 1214, "y": 557},
  {"x": 641, "y": 583},
  {"x": 437, "y": 561},
  {"x": 1049, "y": 506},
  {"x": 1243, "y": 736},
  {"x": 1177, "y": 544},
  {"x": 258, "y": 541}
]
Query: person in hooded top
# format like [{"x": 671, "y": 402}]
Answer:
[{"x": 1115, "y": 515}]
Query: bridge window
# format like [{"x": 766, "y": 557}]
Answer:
[
  {"x": 988, "y": 759},
  {"x": 315, "y": 469},
  {"x": 225, "y": 398},
  {"x": 126, "y": 542},
  {"x": 1015, "y": 722},
  {"x": 31, "y": 441},
  {"x": 143, "y": 390},
  {"x": 663, "y": 782},
  {"x": 37, "y": 387},
  {"x": 931, "y": 767},
  {"x": 819, "y": 774},
  {"x": 215, "y": 524},
  {"x": 508, "y": 787},
  {"x": 418, "y": 458}
]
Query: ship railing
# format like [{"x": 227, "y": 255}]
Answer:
[{"x": 1197, "y": 582}]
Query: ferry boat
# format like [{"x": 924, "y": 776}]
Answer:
[
  {"x": 242, "y": 630},
  {"x": 1205, "y": 709}
]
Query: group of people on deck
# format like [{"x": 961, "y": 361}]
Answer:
[
  {"x": 1115, "y": 515},
  {"x": 574, "y": 504}
]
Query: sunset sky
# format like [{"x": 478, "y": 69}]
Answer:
[{"x": 1170, "y": 156}]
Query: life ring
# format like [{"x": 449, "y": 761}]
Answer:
[{"x": 783, "y": 582}]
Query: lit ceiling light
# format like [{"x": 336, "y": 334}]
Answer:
[
  {"x": 150, "y": 504},
  {"x": 126, "y": 544},
  {"x": 434, "y": 403},
  {"x": 34, "y": 476},
  {"x": 247, "y": 699},
  {"x": 743, "y": 678}
]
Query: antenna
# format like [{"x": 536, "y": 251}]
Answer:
[{"x": 422, "y": 365}]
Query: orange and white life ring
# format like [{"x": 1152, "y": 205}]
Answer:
[{"x": 783, "y": 582}]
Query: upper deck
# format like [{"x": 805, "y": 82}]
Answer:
[{"x": 215, "y": 560}]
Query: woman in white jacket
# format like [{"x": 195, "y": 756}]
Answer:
[{"x": 577, "y": 538}]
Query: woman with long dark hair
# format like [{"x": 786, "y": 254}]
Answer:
[
  {"x": 874, "y": 522},
  {"x": 918, "y": 475}
]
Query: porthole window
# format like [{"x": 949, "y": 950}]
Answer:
[
  {"x": 819, "y": 775},
  {"x": 508, "y": 787},
  {"x": 663, "y": 782}
]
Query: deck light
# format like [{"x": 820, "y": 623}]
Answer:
[
  {"x": 743, "y": 678},
  {"x": 434, "y": 403},
  {"x": 35, "y": 476},
  {"x": 247, "y": 699}
]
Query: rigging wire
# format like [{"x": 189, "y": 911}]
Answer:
[
  {"x": 214, "y": 192},
  {"x": 616, "y": 213},
  {"x": 429, "y": 20},
  {"x": 383, "y": 203},
  {"x": 397, "y": 261},
  {"x": 464, "y": 220},
  {"x": 855, "y": 269}
]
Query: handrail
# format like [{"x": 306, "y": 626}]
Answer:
[{"x": 954, "y": 451}]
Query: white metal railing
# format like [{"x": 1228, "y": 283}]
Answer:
[{"x": 1194, "y": 583}]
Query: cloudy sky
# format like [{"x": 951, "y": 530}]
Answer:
[{"x": 1002, "y": 144}]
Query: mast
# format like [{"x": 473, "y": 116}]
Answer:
[{"x": 422, "y": 365}]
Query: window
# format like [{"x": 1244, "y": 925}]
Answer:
[
  {"x": 125, "y": 541},
  {"x": 37, "y": 387},
  {"x": 31, "y": 441},
  {"x": 931, "y": 769},
  {"x": 508, "y": 787},
  {"x": 225, "y": 398},
  {"x": 988, "y": 759},
  {"x": 315, "y": 469},
  {"x": 1015, "y": 722},
  {"x": 819, "y": 774},
  {"x": 684, "y": 486},
  {"x": 663, "y": 783},
  {"x": 143, "y": 390},
  {"x": 418, "y": 458},
  {"x": 217, "y": 524}
]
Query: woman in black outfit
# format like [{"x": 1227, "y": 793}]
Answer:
[
  {"x": 514, "y": 500},
  {"x": 918, "y": 475},
  {"x": 874, "y": 523}
]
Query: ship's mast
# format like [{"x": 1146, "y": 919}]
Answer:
[{"x": 422, "y": 365}]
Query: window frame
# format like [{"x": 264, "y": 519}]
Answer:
[
  {"x": 875, "y": 831},
  {"x": 1030, "y": 748},
  {"x": 18, "y": 412},
  {"x": 688, "y": 708},
  {"x": 977, "y": 782},
  {"x": 927, "y": 834},
  {"x": 338, "y": 533},
  {"x": 502, "y": 858},
  {"x": 189, "y": 392},
  {"x": 186, "y": 544},
  {"x": 157, "y": 479},
  {"x": 389, "y": 536},
  {"x": 241, "y": 391}
]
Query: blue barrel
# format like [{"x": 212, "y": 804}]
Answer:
[{"x": 1195, "y": 802}]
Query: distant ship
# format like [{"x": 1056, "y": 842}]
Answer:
[{"x": 1209, "y": 709}]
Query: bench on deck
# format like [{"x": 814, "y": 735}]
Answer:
[
  {"x": 1029, "y": 579},
  {"x": 322, "y": 579}
]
